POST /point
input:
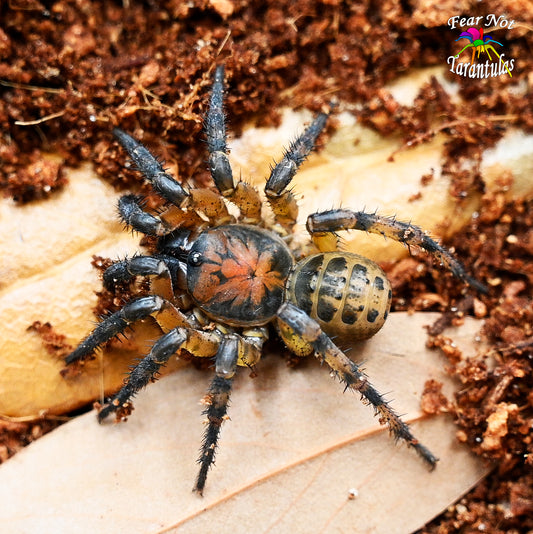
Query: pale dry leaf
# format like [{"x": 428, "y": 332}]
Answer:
[
  {"x": 294, "y": 452},
  {"x": 46, "y": 276}
]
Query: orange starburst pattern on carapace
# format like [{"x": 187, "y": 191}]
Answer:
[{"x": 237, "y": 273}]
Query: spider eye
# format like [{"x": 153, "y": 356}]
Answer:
[{"x": 195, "y": 259}]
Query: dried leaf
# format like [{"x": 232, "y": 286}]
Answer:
[
  {"x": 293, "y": 454},
  {"x": 47, "y": 276}
]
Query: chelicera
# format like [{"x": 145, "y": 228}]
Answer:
[{"x": 219, "y": 281}]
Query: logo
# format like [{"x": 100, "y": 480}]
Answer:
[{"x": 483, "y": 45}]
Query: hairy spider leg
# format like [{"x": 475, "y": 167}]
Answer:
[
  {"x": 167, "y": 274},
  {"x": 197, "y": 342},
  {"x": 130, "y": 209},
  {"x": 217, "y": 400},
  {"x": 243, "y": 195},
  {"x": 151, "y": 168},
  {"x": 116, "y": 323},
  {"x": 215, "y": 130},
  {"x": 123, "y": 272},
  {"x": 322, "y": 226},
  {"x": 348, "y": 372},
  {"x": 282, "y": 200},
  {"x": 233, "y": 350},
  {"x": 209, "y": 203},
  {"x": 229, "y": 350},
  {"x": 131, "y": 206}
]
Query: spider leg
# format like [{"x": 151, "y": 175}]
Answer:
[
  {"x": 217, "y": 401},
  {"x": 229, "y": 351},
  {"x": 167, "y": 271},
  {"x": 233, "y": 350},
  {"x": 197, "y": 342},
  {"x": 243, "y": 195},
  {"x": 310, "y": 332},
  {"x": 215, "y": 129},
  {"x": 211, "y": 204},
  {"x": 130, "y": 208},
  {"x": 281, "y": 200},
  {"x": 126, "y": 270},
  {"x": 116, "y": 323},
  {"x": 322, "y": 225},
  {"x": 151, "y": 168},
  {"x": 246, "y": 197}
]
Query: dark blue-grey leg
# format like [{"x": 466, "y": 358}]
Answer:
[
  {"x": 215, "y": 130},
  {"x": 152, "y": 169},
  {"x": 116, "y": 323},
  {"x": 243, "y": 195},
  {"x": 322, "y": 225},
  {"x": 218, "y": 398},
  {"x": 281, "y": 199}
]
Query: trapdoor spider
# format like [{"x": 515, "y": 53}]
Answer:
[{"x": 217, "y": 281}]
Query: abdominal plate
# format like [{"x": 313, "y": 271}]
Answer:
[{"x": 348, "y": 294}]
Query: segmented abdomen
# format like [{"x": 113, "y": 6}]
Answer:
[{"x": 349, "y": 295}]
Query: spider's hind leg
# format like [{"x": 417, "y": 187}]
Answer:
[
  {"x": 294, "y": 320},
  {"x": 322, "y": 226}
]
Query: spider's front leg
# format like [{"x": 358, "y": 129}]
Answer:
[
  {"x": 125, "y": 271},
  {"x": 131, "y": 206},
  {"x": 167, "y": 280},
  {"x": 131, "y": 211},
  {"x": 281, "y": 199},
  {"x": 151, "y": 168},
  {"x": 322, "y": 226},
  {"x": 297, "y": 323},
  {"x": 243, "y": 195}
]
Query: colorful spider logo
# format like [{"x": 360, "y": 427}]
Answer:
[{"x": 480, "y": 43}]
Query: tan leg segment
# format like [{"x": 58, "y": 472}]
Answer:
[{"x": 349, "y": 373}]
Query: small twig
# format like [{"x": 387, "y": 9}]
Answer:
[
  {"x": 431, "y": 133},
  {"x": 41, "y": 120},
  {"x": 30, "y": 87},
  {"x": 223, "y": 43}
]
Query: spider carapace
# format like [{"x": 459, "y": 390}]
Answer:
[{"x": 219, "y": 280}]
